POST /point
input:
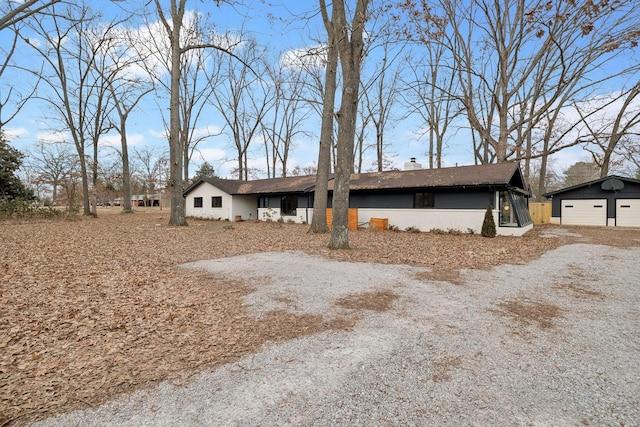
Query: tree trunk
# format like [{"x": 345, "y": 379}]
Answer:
[
  {"x": 126, "y": 174},
  {"x": 321, "y": 193},
  {"x": 542, "y": 179},
  {"x": 351, "y": 51},
  {"x": 86, "y": 207},
  {"x": 178, "y": 215}
]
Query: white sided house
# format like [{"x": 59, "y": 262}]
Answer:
[{"x": 425, "y": 199}]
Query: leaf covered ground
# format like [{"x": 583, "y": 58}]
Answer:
[{"x": 96, "y": 307}]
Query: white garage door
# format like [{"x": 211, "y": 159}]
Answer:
[
  {"x": 584, "y": 212},
  {"x": 628, "y": 212}
]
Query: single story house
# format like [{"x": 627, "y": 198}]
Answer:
[
  {"x": 453, "y": 198},
  {"x": 610, "y": 201},
  {"x": 140, "y": 200},
  {"x": 229, "y": 199}
]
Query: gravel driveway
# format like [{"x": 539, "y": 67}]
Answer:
[{"x": 553, "y": 342}]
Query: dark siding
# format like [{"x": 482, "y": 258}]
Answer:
[
  {"x": 471, "y": 199},
  {"x": 303, "y": 202},
  {"x": 455, "y": 199},
  {"x": 274, "y": 201},
  {"x": 375, "y": 199},
  {"x": 517, "y": 181}
]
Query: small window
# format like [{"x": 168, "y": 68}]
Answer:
[
  {"x": 216, "y": 202},
  {"x": 197, "y": 202},
  {"x": 422, "y": 200}
]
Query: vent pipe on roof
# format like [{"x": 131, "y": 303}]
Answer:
[{"x": 412, "y": 165}]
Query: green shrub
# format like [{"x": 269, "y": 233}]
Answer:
[{"x": 488, "y": 225}]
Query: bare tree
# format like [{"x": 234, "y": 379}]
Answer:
[
  {"x": 520, "y": 64},
  {"x": 242, "y": 97},
  {"x": 195, "y": 87},
  {"x": 12, "y": 13},
  {"x": 502, "y": 50},
  {"x": 606, "y": 136},
  {"x": 378, "y": 99},
  {"x": 127, "y": 89},
  {"x": 149, "y": 168},
  {"x": 11, "y": 101},
  {"x": 427, "y": 94},
  {"x": 380, "y": 89},
  {"x": 172, "y": 21},
  {"x": 283, "y": 122},
  {"x": 350, "y": 41},
  {"x": 52, "y": 163},
  {"x": 12, "y": 19},
  {"x": 73, "y": 51}
]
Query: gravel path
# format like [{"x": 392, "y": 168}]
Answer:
[{"x": 554, "y": 342}]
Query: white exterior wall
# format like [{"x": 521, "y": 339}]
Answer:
[
  {"x": 244, "y": 206},
  {"x": 302, "y": 216},
  {"x": 268, "y": 214},
  {"x": 421, "y": 219},
  {"x": 442, "y": 219},
  {"x": 426, "y": 219}
]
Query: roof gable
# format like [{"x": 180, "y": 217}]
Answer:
[
  {"x": 600, "y": 181},
  {"x": 293, "y": 184}
]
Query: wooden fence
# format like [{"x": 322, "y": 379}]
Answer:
[
  {"x": 540, "y": 212},
  {"x": 352, "y": 218}
]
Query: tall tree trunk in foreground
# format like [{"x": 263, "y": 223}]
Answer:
[
  {"x": 319, "y": 220},
  {"x": 350, "y": 46}
]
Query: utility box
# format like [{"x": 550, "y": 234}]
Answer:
[{"x": 379, "y": 223}]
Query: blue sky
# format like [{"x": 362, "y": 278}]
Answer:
[{"x": 282, "y": 28}]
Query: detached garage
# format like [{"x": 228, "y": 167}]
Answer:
[{"x": 610, "y": 201}]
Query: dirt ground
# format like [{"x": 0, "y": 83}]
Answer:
[{"x": 93, "y": 308}]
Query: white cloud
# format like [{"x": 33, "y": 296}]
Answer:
[
  {"x": 210, "y": 130},
  {"x": 55, "y": 136},
  {"x": 569, "y": 156},
  {"x": 16, "y": 133},
  {"x": 212, "y": 155},
  {"x": 313, "y": 57},
  {"x": 162, "y": 134},
  {"x": 113, "y": 140}
]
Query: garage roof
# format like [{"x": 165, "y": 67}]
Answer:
[{"x": 610, "y": 183}]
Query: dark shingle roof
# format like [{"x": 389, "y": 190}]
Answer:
[
  {"x": 459, "y": 176},
  {"x": 480, "y": 175},
  {"x": 293, "y": 184}
]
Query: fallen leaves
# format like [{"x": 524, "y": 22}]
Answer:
[{"x": 95, "y": 308}]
